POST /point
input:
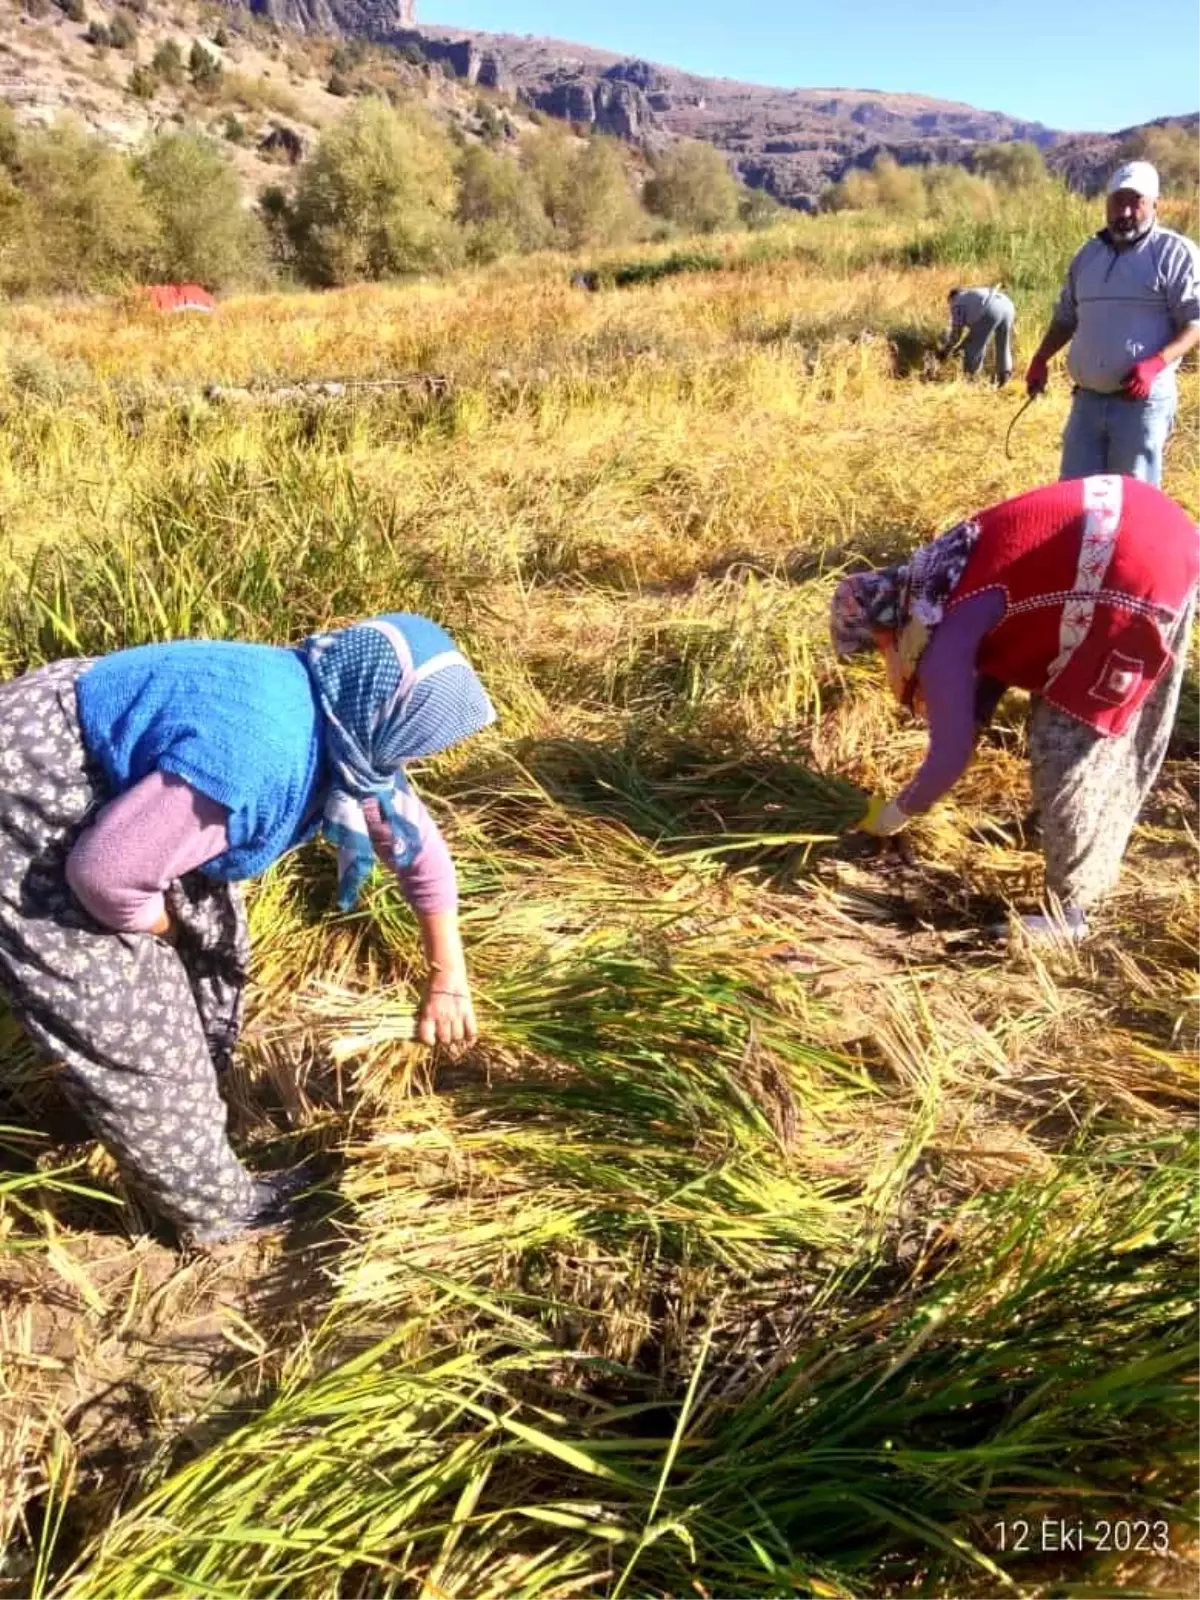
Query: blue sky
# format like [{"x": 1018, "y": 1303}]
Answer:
[{"x": 1075, "y": 64}]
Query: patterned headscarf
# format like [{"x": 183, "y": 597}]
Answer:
[
  {"x": 906, "y": 601},
  {"x": 392, "y": 690}
]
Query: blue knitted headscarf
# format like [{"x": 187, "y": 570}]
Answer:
[{"x": 391, "y": 690}]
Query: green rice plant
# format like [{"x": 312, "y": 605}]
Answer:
[
  {"x": 24, "y": 1194},
  {"x": 836, "y": 1469},
  {"x": 224, "y": 552}
]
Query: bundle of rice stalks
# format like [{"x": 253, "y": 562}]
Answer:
[{"x": 681, "y": 798}]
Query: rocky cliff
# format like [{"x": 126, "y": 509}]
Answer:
[
  {"x": 373, "y": 19},
  {"x": 791, "y": 142}
]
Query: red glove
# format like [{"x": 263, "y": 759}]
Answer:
[
  {"x": 1037, "y": 377},
  {"x": 1138, "y": 382}
]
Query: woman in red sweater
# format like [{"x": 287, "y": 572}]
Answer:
[{"x": 1080, "y": 593}]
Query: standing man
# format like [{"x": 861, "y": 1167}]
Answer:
[
  {"x": 1129, "y": 311},
  {"x": 981, "y": 314}
]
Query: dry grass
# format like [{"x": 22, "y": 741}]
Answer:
[{"x": 766, "y": 1172}]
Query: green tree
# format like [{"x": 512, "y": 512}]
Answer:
[
  {"x": 548, "y": 157},
  {"x": 376, "y": 197},
  {"x": 1015, "y": 164},
  {"x": 205, "y": 233},
  {"x": 92, "y": 226},
  {"x": 757, "y": 209},
  {"x": 693, "y": 187},
  {"x": 499, "y": 205},
  {"x": 856, "y": 190},
  {"x": 954, "y": 193},
  {"x": 17, "y": 230},
  {"x": 584, "y": 186},
  {"x": 1173, "y": 151},
  {"x": 900, "y": 189}
]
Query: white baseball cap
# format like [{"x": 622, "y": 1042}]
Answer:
[{"x": 1139, "y": 176}]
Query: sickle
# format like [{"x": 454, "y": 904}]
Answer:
[{"x": 1012, "y": 425}]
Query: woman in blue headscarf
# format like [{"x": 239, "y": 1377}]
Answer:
[{"x": 136, "y": 791}]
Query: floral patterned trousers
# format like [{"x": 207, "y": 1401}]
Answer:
[
  {"x": 1088, "y": 789},
  {"x": 139, "y": 1027}
]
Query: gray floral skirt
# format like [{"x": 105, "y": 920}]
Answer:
[
  {"x": 139, "y": 1028},
  {"x": 1088, "y": 789}
]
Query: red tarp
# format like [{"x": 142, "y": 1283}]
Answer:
[{"x": 180, "y": 297}]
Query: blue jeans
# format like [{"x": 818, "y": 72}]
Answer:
[{"x": 1107, "y": 433}]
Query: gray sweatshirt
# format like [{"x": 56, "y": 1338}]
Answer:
[{"x": 1124, "y": 305}]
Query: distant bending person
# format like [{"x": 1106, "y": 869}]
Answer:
[
  {"x": 980, "y": 315},
  {"x": 1129, "y": 311}
]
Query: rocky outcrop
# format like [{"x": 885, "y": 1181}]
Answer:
[
  {"x": 494, "y": 74},
  {"x": 372, "y": 19},
  {"x": 610, "y": 105},
  {"x": 641, "y": 74},
  {"x": 283, "y": 143},
  {"x": 463, "y": 59}
]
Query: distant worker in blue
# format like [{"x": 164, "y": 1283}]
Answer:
[
  {"x": 981, "y": 315},
  {"x": 1130, "y": 313}
]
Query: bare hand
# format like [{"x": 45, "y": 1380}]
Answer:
[{"x": 447, "y": 1015}]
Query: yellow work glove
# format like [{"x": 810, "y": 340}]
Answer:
[{"x": 882, "y": 818}]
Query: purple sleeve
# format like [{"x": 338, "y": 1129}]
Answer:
[
  {"x": 139, "y": 843},
  {"x": 951, "y": 684},
  {"x": 429, "y": 883}
]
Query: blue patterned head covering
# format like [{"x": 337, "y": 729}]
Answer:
[{"x": 391, "y": 690}]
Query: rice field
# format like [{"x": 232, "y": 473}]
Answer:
[{"x": 782, "y": 1235}]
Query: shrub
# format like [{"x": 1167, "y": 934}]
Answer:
[
  {"x": 204, "y": 69},
  {"x": 375, "y": 198},
  {"x": 887, "y": 185},
  {"x": 74, "y": 11},
  {"x": 10, "y": 139},
  {"x": 143, "y": 84},
  {"x": 956, "y": 193},
  {"x": 693, "y": 187},
  {"x": 97, "y": 36},
  {"x": 261, "y": 94},
  {"x": 757, "y": 209},
  {"x": 1015, "y": 164},
  {"x": 491, "y": 123},
  {"x": 205, "y": 233},
  {"x": 122, "y": 31},
  {"x": 16, "y": 232},
  {"x": 234, "y": 129},
  {"x": 348, "y": 55},
  {"x": 167, "y": 63}
]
